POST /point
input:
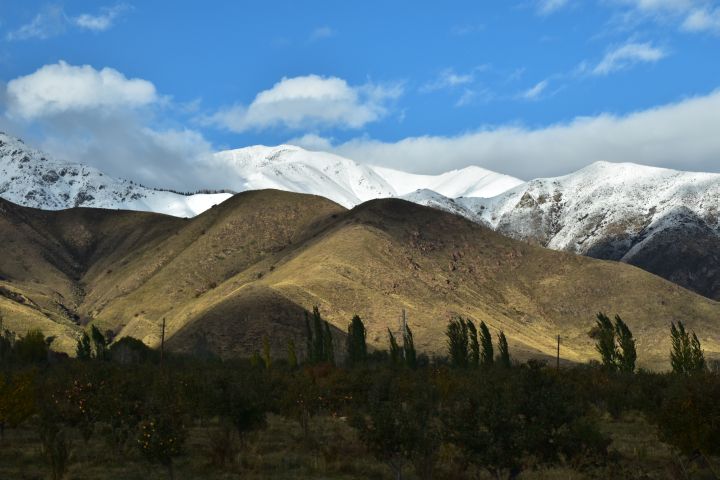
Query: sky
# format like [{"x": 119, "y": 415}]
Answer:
[{"x": 530, "y": 88}]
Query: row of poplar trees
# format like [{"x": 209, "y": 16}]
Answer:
[{"x": 616, "y": 346}]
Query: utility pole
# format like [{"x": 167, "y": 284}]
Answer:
[
  {"x": 162, "y": 342},
  {"x": 557, "y": 364}
]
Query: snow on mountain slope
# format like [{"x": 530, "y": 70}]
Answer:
[
  {"x": 347, "y": 182},
  {"x": 291, "y": 168},
  {"x": 29, "y": 177},
  {"x": 602, "y": 210},
  {"x": 467, "y": 182}
]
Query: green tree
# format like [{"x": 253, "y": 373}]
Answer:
[
  {"x": 356, "y": 342},
  {"x": 487, "y": 356},
  {"x": 83, "y": 350},
  {"x": 409, "y": 353},
  {"x": 319, "y": 342},
  {"x": 328, "y": 347},
  {"x": 687, "y": 356},
  {"x": 503, "y": 351},
  {"x": 605, "y": 341},
  {"x": 396, "y": 353},
  {"x": 474, "y": 344},
  {"x": 626, "y": 353},
  {"x": 457, "y": 342},
  {"x": 309, "y": 343},
  {"x": 32, "y": 348},
  {"x": 100, "y": 343}
]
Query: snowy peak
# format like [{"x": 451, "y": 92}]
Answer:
[{"x": 29, "y": 177}]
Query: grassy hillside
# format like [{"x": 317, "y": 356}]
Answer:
[{"x": 248, "y": 267}]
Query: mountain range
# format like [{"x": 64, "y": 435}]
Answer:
[
  {"x": 663, "y": 221},
  {"x": 249, "y": 267}
]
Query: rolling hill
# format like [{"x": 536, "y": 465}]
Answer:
[{"x": 250, "y": 266}]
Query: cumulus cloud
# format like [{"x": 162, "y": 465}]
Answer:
[
  {"x": 52, "y": 20},
  {"x": 61, "y": 87},
  {"x": 309, "y": 101},
  {"x": 681, "y": 135},
  {"x": 627, "y": 55},
  {"x": 104, "y": 119}
]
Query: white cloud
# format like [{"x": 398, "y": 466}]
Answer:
[
  {"x": 321, "y": 33},
  {"x": 701, "y": 20},
  {"x": 61, "y": 87},
  {"x": 682, "y": 135},
  {"x": 52, "y": 20},
  {"x": 546, "y": 7},
  {"x": 49, "y": 22},
  {"x": 103, "y": 119},
  {"x": 307, "y": 102},
  {"x": 534, "y": 92},
  {"x": 628, "y": 55},
  {"x": 102, "y": 21},
  {"x": 448, "y": 78},
  {"x": 312, "y": 141}
]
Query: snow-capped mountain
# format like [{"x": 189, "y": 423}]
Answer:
[
  {"x": 345, "y": 181},
  {"x": 31, "y": 178},
  {"x": 664, "y": 221}
]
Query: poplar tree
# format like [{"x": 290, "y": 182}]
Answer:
[
  {"x": 687, "y": 356},
  {"x": 474, "y": 345},
  {"x": 626, "y": 352},
  {"x": 605, "y": 341},
  {"x": 309, "y": 345},
  {"x": 319, "y": 342},
  {"x": 408, "y": 345},
  {"x": 503, "y": 351},
  {"x": 356, "y": 342},
  {"x": 83, "y": 350},
  {"x": 99, "y": 343},
  {"x": 328, "y": 348},
  {"x": 457, "y": 342},
  {"x": 396, "y": 353},
  {"x": 487, "y": 356}
]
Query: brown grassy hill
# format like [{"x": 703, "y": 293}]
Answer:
[{"x": 250, "y": 266}]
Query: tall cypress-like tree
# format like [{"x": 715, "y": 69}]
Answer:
[
  {"x": 356, "y": 342},
  {"x": 605, "y": 341},
  {"x": 319, "y": 342},
  {"x": 396, "y": 354},
  {"x": 328, "y": 347},
  {"x": 487, "y": 356},
  {"x": 626, "y": 352},
  {"x": 99, "y": 343},
  {"x": 83, "y": 350},
  {"x": 457, "y": 342},
  {"x": 503, "y": 351},
  {"x": 474, "y": 359},
  {"x": 309, "y": 344},
  {"x": 408, "y": 345},
  {"x": 687, "y": 356}
]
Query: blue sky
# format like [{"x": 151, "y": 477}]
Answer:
[{"x": 424, "y": 86}]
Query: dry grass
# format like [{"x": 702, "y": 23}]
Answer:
[{"x": 248, "y": 267}]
